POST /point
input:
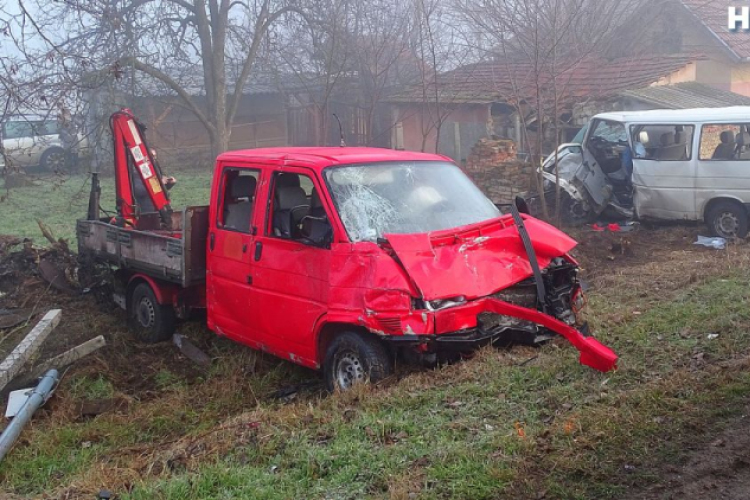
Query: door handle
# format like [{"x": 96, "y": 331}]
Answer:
[
  {"x": 258, "y": 250},
  {"x": 211, "y": 241}
]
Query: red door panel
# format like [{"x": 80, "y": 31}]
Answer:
[
  {"x": 229, "y": 277},
  {"x": 290, "y": 278},
  {"x": 291, "y": 287}
]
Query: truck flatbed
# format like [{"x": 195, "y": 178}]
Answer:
[{"x": 177, "y": 256}]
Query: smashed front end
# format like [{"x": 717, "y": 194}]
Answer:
[
  {"x": 479, "y": 288},
  {"x": 441, "y": 269}
]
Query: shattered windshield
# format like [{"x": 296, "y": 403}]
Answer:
[{"x": 405, "y": 197}]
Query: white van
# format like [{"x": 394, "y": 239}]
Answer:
[{"x": 691, "y": 164}]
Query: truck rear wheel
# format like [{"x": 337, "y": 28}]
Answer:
[
  {"x": 150, "y": 321},
  {"x": 354, "y": 358}
]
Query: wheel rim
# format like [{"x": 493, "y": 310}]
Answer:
[
  {"x": 55, "y": 161},
  {"x": 146, "y": 313},
  {"x": 349, "y": 370},
  {"x": 573, "y": 210},
  {"x": 576, "y": 211},
  {"x": 726, "y": 224}
]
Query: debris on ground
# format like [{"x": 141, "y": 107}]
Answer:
[
  {"x": 711, "y": 242},
  {"x": 61, "y": 360},
  {"x": 13, "y": 363},
  {"x": 190, "y": 350},
  {"x": 36, "y": 399},
  {"x": 90, "y": 408}
]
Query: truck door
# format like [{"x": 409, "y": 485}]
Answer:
[
  {"x": 290, "y": 271},
  {"x": 229, "y": 263}
]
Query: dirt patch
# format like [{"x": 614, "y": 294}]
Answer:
[
  {"x": 35, "y": 280},
  {"x": 717, "y": 469}
]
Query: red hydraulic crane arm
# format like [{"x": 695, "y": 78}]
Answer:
[{"x": 135, "y": 164}]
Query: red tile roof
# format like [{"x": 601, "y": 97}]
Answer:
[
  {"x": 713, "y": 15},
  {"x": 589, "y": 78}
]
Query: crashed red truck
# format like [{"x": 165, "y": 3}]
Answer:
[{"x": 337, "y": 259}]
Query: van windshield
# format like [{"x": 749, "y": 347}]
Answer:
[{"x": 374, "y": 199}]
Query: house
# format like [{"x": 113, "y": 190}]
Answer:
[
  {"x": 690, "y": 27},
  {"x": 499, "y": 98},
  {"x": 668, "y": 54}
]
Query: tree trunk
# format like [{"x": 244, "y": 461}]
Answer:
[{"x": 219, "y": 141}]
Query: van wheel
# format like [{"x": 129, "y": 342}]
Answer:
[
  {"x": 727, "y": 219},
  {"x": 150, "y": 321},
  {"x": 572, "y": 211},
  {"x": 354, "y": 358},
  {"x": 53, "y": 160}
]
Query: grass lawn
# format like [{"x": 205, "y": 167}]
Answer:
[{"x": 58, "y": 202}]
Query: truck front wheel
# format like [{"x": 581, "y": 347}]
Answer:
[
  {"x": 354, "y": 358},
  {"x": 150, "y": 321}
]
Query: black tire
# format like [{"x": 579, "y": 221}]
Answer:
[
  {"x": 149, "y": 321},
  {"x": 355, "y": 358},
  {"x": 727, "y": 219},
  {"x": 53, "y": 160}
]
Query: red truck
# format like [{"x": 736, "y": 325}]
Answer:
[{"x": 337, "y": 259}]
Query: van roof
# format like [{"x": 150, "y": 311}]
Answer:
[
  {"x": 322, "y": 157},
  {"x": 729, "y": 114}
]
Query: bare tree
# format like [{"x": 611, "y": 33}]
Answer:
[
  {"x": 349, "y": 54},
  {"x": 202, "y": 51}
]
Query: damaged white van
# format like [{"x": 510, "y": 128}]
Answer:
[{"x": 691, "y": 164}]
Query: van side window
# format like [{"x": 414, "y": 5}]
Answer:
[
  {"x": 237, "y": 199},
  {"x": 19, "y": 130},
  {"x": 725, "y": 142},
  {"x": 663, "y": 142}
]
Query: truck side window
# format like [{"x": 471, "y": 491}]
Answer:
[
  {"x": 291, "y": 203},
  {"x": 236, "y": 199},
  {"x": 663, "y": 142},
  {"x": 725, "y": 142}
]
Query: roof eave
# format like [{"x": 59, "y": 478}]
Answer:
[{"x": 731, "y": 52}]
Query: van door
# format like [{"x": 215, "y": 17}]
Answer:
[
  {"x": 602, "y": 157},
  {"x": 229, "y": 264},
  {"x": 291, "y": 273},
  {"x": 724, "y": 167},
  {"x": 664, "y": 170},
  {"x": 18, "y": 142}
]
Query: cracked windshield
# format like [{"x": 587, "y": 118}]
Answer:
[{"x": 405, "y": 197}]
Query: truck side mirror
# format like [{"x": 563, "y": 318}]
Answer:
[{"x": 317, "y": 231}]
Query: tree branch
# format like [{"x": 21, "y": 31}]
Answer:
[{"x": 172, "y": 84}]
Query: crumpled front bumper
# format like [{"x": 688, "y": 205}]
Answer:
[{"x": 456, "y": 327}]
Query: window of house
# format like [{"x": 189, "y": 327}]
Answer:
[
  {"x": 237, "y": 199},
  {"x": 725, "y": 142},
  {"x": 662, "y": 142}
]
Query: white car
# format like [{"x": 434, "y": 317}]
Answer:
[{"x": 34, "y": 142}]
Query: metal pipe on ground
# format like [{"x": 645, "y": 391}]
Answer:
[{"x": 36, "y": 399}]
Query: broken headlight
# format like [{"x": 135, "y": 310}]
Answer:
[{"x": 436, "y": 305}]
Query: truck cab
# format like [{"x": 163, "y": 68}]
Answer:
[{"x": 340, "y": 259}]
